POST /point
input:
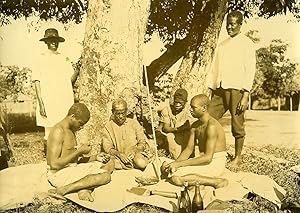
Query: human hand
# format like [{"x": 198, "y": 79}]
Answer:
[
  {"x": 163, "y": 170},
  {"x": 242, "y": 105},
  {"x": 142, "y": 146},
  {"x": 43, "y": 110},
  {"x": 124, "y": 158},
  {"x": 171, "y": 168},
  {"x": 103, "y": 157},
  {"x": 84, "y": 149}
]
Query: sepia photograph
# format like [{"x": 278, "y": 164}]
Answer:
[{"x": 160, "y": 106}]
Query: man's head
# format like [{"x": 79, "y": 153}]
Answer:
[
  {"x": 234, "y": 23},
  {"x": 180, "y": 99},
  {"x": 52, "y": 39},
  {"x": 119, "y": 111},
  {"x": 199, "y": 104},
  {"x": 79, "y": 115}
]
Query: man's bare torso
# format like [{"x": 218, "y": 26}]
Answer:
[
  {"x": 201, "y": 135},
  {"x": 68, "y": 143}
]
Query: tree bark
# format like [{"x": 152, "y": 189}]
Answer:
[
  {"x": 112, "y": 58},
  {"x": 278, "y": 103},
  {"x": 203, "y": 40},
  {"x": 291, "y": 102},
  {"x": 299, "y": 101},
  {"x": 162, "y": 64}
]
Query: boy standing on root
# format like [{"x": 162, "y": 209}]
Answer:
[
  {"x": 65, "y": 172},
  {"x": 231, "y": 79},
  {"x": 210, "y": 164}
]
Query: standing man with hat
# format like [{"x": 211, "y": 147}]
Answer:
[
  {"x": 53, "y": 76},
  {"x": 175, "y": 122}
]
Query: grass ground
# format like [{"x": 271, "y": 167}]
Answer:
[{"x": 272, "y": 160}]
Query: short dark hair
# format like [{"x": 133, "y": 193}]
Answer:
[
  {"x": 80, "y": 111},
  {"x": 236, "y": 14},
  {"x": 118, "y": 102},
  {"x": 181, "y": 95},
  {"x": 201, "y": 99}
]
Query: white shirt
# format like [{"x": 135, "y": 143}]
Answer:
[
  {"x": 234, "y": 64},
  {"x": 54, "y": 72}
]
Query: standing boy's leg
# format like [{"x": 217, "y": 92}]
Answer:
[
  {"x": 237, "y": 126},
  {"x": 217, "y": 106}
]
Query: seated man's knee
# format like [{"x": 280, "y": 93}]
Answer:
[
  {"x": 100, "y": 179},
  {"x": 105, "y": 177},
  {"x": 140, "y": 161},
  {"x": 176, "y": 180}
]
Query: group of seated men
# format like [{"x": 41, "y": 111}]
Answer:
[{"x": 125, "y": 146}]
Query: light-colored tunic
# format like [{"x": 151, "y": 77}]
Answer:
[
  {"x": 54, "y": 72},
  {"x": 123, "y": 138},
  {"x": 234, "y": 64}
]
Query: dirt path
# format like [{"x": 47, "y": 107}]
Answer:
[{"x": 281, "y": 129}]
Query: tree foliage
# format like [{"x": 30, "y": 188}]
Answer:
[
  {"x": 173, "y": 19},
  {"x": 63, "y": 11},
  {"x": 15, "y": 82},
  {"x": 278, "y": 71}
]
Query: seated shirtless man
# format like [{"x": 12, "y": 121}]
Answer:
[
  {"x": 124, "y": 139},
  {"x": 210, "y": 163},
  {"x": 65, "y": 172}
]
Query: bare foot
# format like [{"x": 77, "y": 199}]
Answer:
[
  {"x": 236, "y": 162},
  {"x": 85, "y": 194},
  {"x": 222, "y": 182}
]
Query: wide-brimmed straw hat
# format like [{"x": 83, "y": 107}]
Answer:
[{"x": 52, "y": 33}]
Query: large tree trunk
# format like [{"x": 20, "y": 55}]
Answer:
[
  {"x": 162, "y": 64},
  {"x": 204, "y": 36},
  {"x": 299, "y": 101},
  {"x": 278, "y": 103},
  {"x": 112, "y": 57}
]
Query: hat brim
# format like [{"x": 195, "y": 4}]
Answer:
[{"x": 59, "y": 39}]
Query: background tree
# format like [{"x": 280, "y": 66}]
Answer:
[
  {"x": 256, "y": 91},
  {"x": 111, "y": 59},
  {"x": 278, "y": 70},
  {"x": 193, "y": 35},
  {"x": 293, "y": 88},
  {"x": 115, "y": 31},
  {"x": 15, "y": 82}
]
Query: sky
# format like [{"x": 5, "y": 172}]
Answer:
[
  {"x": 279, "y": 27},
  {"x": 19, "y": 41}
]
